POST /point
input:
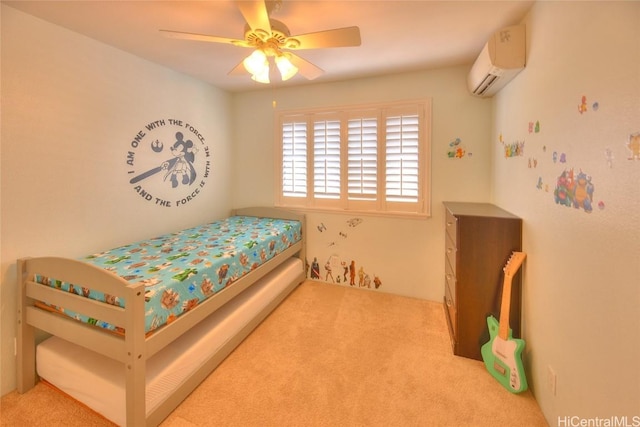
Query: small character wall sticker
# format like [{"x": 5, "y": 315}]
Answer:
[
  {"x": 456, "y": 150},
  {"x": 534, "y": 127},
  {"x": 608, "y": 155},
  {"x": 541, "y": 185},
  {"x": 562, "y": 158},
  {"x": 315, "y": 269},
  {"x": 634, "y": 146},
  {"x": 354, "y": 222},
  {"x": 514, "y": 149},
  {"x": 582, "y": 107}
]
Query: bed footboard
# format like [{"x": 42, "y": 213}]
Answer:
[{"x": 129, "y": 349}]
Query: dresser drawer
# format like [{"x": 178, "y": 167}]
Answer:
[
  {"x": 451, "y": 225},
  {"x": 450, "y": 279},
  {"x": 450, "y": 251},
  {"x": 450, "y": 307}
]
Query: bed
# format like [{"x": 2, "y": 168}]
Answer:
[{"x": 129, "y": 346}]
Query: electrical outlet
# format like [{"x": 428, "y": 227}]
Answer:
[{"x": 551, "y": 380}]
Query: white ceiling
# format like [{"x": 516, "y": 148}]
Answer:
[{"x": 397, "y": 36}]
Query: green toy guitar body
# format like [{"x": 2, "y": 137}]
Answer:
[
  {"x": 503, "y": 358},
  {"x": 502, "y": 355}
]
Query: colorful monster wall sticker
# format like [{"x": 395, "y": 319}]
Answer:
[
  {"x": 574, "y": 191},
  {"x": 337, "y": 270}
]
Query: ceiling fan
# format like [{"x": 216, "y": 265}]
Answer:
[{"x": 271, "y": 38}]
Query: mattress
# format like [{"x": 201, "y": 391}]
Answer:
[
  {"x": 99, "y": 382},
  {"x": 182, "y": 269}
]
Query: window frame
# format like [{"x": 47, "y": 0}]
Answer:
[{"x": 382, "y": 111}]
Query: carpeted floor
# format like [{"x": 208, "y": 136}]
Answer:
[{"x": 330, "y": 355}]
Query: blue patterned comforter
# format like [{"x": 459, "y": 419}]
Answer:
[{"x": 180, "y": 270}]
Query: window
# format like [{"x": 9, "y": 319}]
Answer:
[{"x": 359, "y": 159}]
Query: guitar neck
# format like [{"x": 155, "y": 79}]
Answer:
[{"x": 505, "y": 308}]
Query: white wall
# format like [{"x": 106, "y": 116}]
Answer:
[
  {"x": 406, "y": 254},
  {"x": 582, "y": 275},
  {"x": 70, "y": 109}
]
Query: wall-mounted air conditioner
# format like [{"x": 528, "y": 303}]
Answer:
[{"x": 500, "y": 60}]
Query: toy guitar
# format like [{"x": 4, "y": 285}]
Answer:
[{"x": 502, "y": 355}]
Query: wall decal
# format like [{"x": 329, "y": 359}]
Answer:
[
  {"x": 634, "y": 146},
  {"x": 541, "y": 185},
  {"x": 315, "y": 269},
  {"x": 354, "y": 222},
  {"x": 168, "y": 162},
  {"x": 346, "y": 272},
  {"x": 582, "y": 107},
  {"x": 534, "y": 127},
  {"x": 456, "y": 150},
  {"x": 562, "y": 158},
  {"x": 608, "y": 155},
  {"x": 574, "y": 191},
  {"x": 514, "y": 149}
]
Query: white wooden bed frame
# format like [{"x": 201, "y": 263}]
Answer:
[{"x": 133, "y": 349}]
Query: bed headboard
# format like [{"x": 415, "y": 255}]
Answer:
[{"x": 269, "y": 212}]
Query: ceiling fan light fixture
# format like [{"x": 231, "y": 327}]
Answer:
[
  {"x": 262, "y": 77},
  {"x": 287, "y": 69},
  {"x": 256, "y": 63}
]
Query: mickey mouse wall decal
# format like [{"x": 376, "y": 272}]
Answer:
[{"x": 188, "y": 162}]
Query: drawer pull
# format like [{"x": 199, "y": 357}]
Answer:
[
  {"x": 449, "y": 302},
  {"x": 449, "y": 276},
  {"x": 449, "y": 250}
]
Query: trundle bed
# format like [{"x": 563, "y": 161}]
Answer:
[{"x": 137, "y": 328}]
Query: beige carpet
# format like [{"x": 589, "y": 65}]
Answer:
[{"x": 330, "y": 355}]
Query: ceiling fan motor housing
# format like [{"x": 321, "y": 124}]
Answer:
[{"x": 275, "y": 40}]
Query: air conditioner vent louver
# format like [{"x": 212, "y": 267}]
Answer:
[
  {"x": 501, "y": 59},
  {"x": 485, "y": 84}
]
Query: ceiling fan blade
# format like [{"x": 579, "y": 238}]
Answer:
[
  {"x": 203, "y": 37},
  {"x": 256, "y": 15},
  {"x": 305, "y": 68},
  {"x": 238, "y": 70},
  {"x": 340, "y": 37}
]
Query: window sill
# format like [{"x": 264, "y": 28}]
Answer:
[{"x": 379, "y": 214}]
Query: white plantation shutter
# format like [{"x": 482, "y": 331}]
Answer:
[
  {"x": 294, "y": 159},
  {"x": 402, "y": 158},
  {"x": 326, "y": 159},
  {"x": 361, "y": 159}
]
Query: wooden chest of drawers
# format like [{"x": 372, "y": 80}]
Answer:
[{"x": 479, "y": 239}]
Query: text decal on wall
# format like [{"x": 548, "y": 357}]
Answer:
[{"x": 168, "y": 162}]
